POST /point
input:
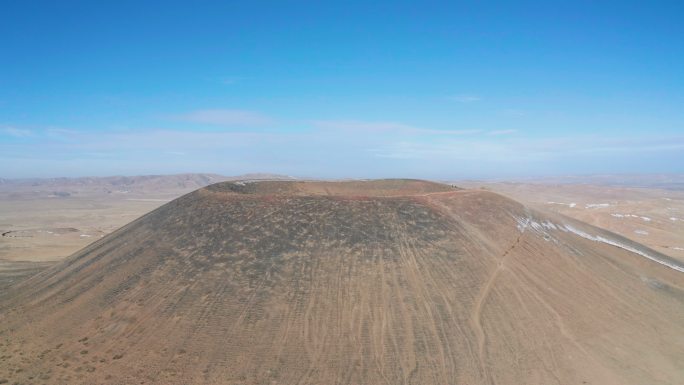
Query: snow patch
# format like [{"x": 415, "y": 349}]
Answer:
[
  {"x": 571, "y": 205},
  {"x": 522, "y": 223},
  {"x": 617, "y": 215},
  {"x": 596, "y": 205},
  {"x": 540, "y": 227},
  {"x": 543, "y": 227},
  {"x": 598, "y": 238},
  {"x": 641, "y": 232}
]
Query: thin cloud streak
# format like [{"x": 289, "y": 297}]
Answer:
[
  {"x": 364, "y": 148},
  {"x": 386, "y": 127},
  {"x": 16, "y": 132},
  {"x": 527, "y": 149},
  {"x": 502, "y": 132}
]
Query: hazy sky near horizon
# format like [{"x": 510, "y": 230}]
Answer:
[{"x": 341, "y": 89}]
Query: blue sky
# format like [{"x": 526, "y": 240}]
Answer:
[{"x": 343, "y": 89}]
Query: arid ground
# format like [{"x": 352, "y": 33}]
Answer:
[
  {"x": 377, "y": 282},
  {"x": 43, "y": 221},
  {"x": 50, "y": 219},
  {"x": 651, "y": 214}
]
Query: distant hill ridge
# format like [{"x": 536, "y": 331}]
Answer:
[{"x": 128, "y": 183}]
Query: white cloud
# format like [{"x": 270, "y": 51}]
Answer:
[
  {"x": 386, "y": 127},
  {"x": 448, "y": 151},
  {"x": 356, "y": 125},
  {"x": 449, "y": 132},
  {"x": 16, "y": 132},
  {"x": 344, "y": 147},
  {"x": 502, "y": 132},
  {"x": 224, "y": 117},
  {"x": 481, "y": 148}
]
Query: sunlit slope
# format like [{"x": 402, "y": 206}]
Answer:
[{"x": 378, "y": 282}]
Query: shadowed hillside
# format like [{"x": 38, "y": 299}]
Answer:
[{"x": 360, "y": 282}]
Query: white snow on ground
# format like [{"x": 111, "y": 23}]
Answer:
[
  {"x": 596, "y": 205},
  {"x": 673, "y": 219},
  {"x": 522, "y": 223},
  {"x": 541, "y": 228},
  {"x": 598, "y": 238},
  {"x": 641, "y": 232},
  {"x": 678, "y": 248},
  {"x": 616, "y": 215},
  {"x": 544, "y": 227},
  {"x": 86, "y": 235},
  {"x": 571, "y": 204}
]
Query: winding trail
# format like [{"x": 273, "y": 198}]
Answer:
[{"x": 476, "y": 314}]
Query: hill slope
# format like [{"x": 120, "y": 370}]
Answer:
[{"x": 378, "y": 282}]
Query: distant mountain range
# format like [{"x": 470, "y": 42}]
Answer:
[
  {"x": 126, "y": 184},
  {"x": 662, "y": 181}
]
